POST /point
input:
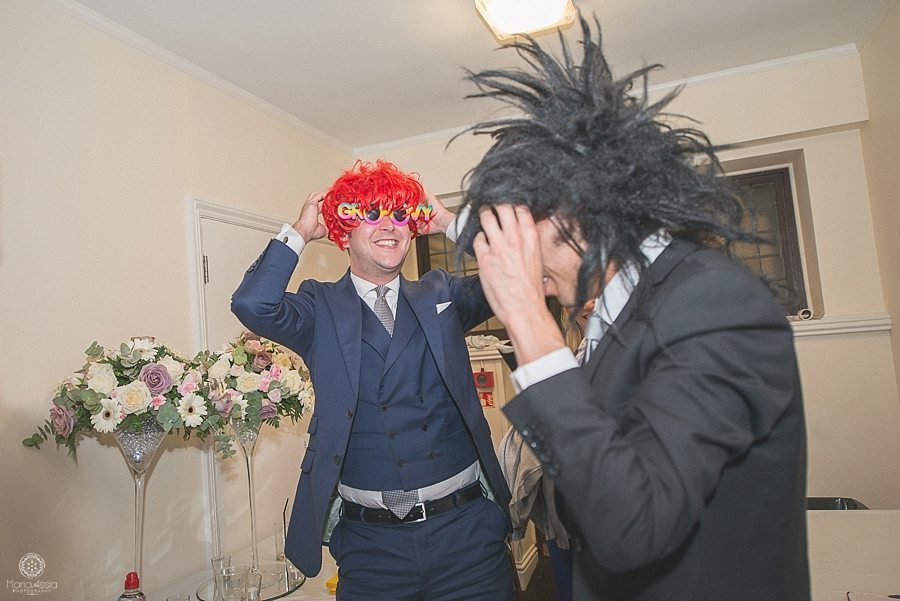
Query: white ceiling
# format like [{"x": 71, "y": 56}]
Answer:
[{"x": 371, "y": 71}]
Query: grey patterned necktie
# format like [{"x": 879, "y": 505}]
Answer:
[
  {"x": 382, "y": 310},
  {"x": 400, "y": 501}
]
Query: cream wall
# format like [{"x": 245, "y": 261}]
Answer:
[
  {"x": 881, "y": 147},
  {"x": 813, "y": 107},
  {"x": 100, "y": 147}
]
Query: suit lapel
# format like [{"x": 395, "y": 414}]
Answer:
[
  {"x": 344, "y": 303},
  {"x": 652, "y": 277},
  {"x": 423, "y": 307}
]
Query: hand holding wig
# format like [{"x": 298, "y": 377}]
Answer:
[{"x": 368, "y": 193}]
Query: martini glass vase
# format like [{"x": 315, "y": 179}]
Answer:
[
  {"x": 139, "y": 448},
  {"x": 247, "y": 434}
]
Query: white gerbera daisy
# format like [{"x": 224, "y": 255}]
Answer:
[
  {"x": 192, "y": 410},
  {"x": 109, "y": 416}
]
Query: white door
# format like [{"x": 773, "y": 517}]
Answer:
[{"x": 229, "y": 241}]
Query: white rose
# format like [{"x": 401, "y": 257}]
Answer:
[
  {"x": 220, "y": 369},
  {"x": 134, "y": 397},
  {"x": 247, "y": 382},
  {"x": 173, "y": 366},
  {"x": 101, "y": 378},
  {"x": 292, "y": 381}
]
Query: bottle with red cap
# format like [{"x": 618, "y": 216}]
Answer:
[{"x": 132, "y": 588}]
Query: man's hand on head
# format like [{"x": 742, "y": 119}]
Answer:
[
  {"x": 308, "y": 225},
  {"x": 441, "y": 218},
  {"x": 511, "y": 270}
]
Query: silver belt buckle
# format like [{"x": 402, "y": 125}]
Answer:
[{"x": 424, "y": 516}]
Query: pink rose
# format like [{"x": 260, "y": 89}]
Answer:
[
  {"x": 253, "y": 346},
  {"x": 264, "y": 384},
  {"x": 157, "y": 401},
  {"x": 189, "y": 385},
  {"x": 262, "y": 360},
  {"x": 156, "y": 377},
  {"x": 275, "y": 395},
  {"x": 62, "y": 419},
  {"x": 275, "y": 372}
]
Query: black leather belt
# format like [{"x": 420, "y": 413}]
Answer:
[{"x": 420, "y": 511}]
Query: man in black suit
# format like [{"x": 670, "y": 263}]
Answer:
[{"x": 678, "y": 447}]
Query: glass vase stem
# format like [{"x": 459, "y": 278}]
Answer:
[
  {"x": 248, "y": 457},
  {"x": 138, "y": 521}
]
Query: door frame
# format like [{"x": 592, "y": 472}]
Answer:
[{"x": 201, "y": 209}]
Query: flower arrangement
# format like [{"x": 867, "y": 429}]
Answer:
[
  {"x": 256, "y": 380},
  {"x": 117, "y": 386}
]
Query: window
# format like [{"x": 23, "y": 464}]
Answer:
[{"x": 776, "y": 258}]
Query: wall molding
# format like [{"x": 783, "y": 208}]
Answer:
[{"x": 842, "y": 324}]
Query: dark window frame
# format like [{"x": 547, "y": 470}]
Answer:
[{"x": 793, "y": 296}]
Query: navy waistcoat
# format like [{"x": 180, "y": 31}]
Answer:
[{"x": 407, "y": 432}]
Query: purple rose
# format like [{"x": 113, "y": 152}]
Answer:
[
  {"x": 62, "y": 419},
  {"x": 267, "y": 412},
  {"x": 156, "y": 377},
  {"x": 223, "y": 404},
  {"x": 262, "y": 360}
]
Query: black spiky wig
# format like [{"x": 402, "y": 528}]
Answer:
[{"x": 589, "y": 151}]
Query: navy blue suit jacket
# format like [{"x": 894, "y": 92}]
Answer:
[{"x": 322, "y": 322}]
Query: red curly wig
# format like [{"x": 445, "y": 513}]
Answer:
[{"x": 379, "y": 186}]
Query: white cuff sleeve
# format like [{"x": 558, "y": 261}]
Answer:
[
  {"x": 458, "y": 223},
  {"x": 289, "y": 236},
  {"x": 545, "y": 367}
]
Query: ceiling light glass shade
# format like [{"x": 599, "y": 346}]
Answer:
[{"x": 508, "y": 18}]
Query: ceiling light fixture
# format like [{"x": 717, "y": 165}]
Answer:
[{"x": 509, "y": 18}]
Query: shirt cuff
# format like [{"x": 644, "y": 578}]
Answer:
[
  {"x": 458, "y": 223},
  {"x": 545, "y": 367},
  {"x": 289, "y": 236}
]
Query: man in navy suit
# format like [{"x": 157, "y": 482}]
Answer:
[
  {"x": 400, "y": 460},
  {"x": 678, "y": 447}
]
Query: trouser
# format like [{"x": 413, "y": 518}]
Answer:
[{"x": 457, "y": 555}]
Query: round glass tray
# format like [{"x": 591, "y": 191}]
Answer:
[{"x": 279, "y": 580}]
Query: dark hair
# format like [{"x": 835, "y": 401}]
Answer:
[{"x": 589, "y": 151}]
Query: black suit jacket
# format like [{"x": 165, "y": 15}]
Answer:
[{"x": 679, "y": 450}]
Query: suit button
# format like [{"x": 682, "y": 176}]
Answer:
[
  {"x": 424, "y": 427},
  {"x": 349, "y": 412},
  {"x": 400, "y": 463},
  {"x": 391, "y": 435},
  {"x": 336, "y": 459},
  {"x": 432, "y": 455},
  {"x": 384, "y": 407}
]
